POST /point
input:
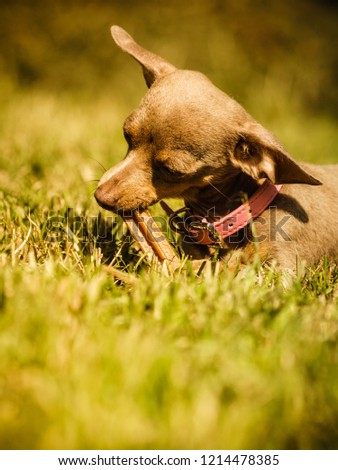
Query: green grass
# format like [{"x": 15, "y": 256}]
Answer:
[
  {"x": 182, "y": 362},
  {"x": 216, "y": 361}
]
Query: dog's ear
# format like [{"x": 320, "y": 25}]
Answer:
[
  {"x": 153, "y": 65},
  {"x": 259, "y": 154}
]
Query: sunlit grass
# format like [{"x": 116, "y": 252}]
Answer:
[
  {"x": 178, "y": 363},
  {"x": 181, "y": 362}
]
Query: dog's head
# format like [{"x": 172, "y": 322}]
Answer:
[{"x": 186, "y": 134}]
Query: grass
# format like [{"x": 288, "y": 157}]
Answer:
[
  {"x": 89, "y": 362},
  {"x": 216, "y": 361}
]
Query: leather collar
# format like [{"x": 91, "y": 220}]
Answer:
[{"x": 205, "y": 232}]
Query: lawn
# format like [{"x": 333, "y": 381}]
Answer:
[{"x": 185, "y": 361}]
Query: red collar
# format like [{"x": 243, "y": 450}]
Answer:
[{"x": 206, "y": 233}]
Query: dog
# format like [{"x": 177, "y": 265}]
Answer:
[{"x": 245, "y": 193}]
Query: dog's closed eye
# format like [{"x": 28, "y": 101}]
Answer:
[{"x": 168, "y": 171}]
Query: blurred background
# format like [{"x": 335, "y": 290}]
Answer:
[
  {"x": 277, "y": 58},
  {"x": 246, "y": 47}
]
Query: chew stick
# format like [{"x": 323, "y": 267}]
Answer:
[{"x": 151, "y": 239}]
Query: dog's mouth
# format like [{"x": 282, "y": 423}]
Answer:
[
  {"x": 105, "y": 202},
  {"x": 105, "y": 206},
  {"x": 119, "y": 211},
  {"x": 123, "y": 204},
  {"x": 122, "y": 211}
]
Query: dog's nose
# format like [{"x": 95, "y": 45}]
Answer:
[
  {"x": 99, "y": 193},
  {"x": 103, "y": 198}
]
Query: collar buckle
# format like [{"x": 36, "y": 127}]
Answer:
[
  {"x": 198, "y": 230},
  {"x": 215, "y": 239}
]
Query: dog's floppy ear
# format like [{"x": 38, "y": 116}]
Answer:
[
  {"x": 153, "y": 65},
  {"x": 259, "y": 154}
]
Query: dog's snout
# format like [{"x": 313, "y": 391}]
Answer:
[
  {"x": 98, "y": 194},
  {"x": 119, "y": 194},
  {"x": 104, "y": 198}
]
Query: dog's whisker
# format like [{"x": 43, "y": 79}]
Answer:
[
  {"x": 219, "y": 191},
  {"x": 103, "y": 168}
]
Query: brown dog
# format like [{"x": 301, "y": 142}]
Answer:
[{"x": 190, "y": 140}]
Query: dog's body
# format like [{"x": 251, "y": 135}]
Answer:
[{"x": 190, "y": 140}]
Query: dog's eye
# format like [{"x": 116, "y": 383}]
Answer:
[{"x": 168, "y": 171}]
